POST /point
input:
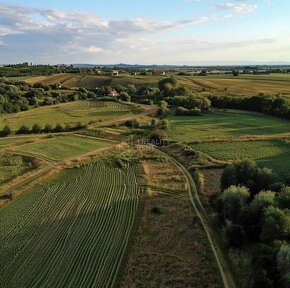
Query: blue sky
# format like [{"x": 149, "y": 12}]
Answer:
[{"x": 145, "y": 32}]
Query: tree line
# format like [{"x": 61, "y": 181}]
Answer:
[
  {"x": 252, "y": 210},
  {"x": 37, "y": 129},
  {"x": 267, "y": 104}
]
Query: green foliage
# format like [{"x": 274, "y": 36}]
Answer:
[
  {"x": 283, "y": 264},
  {"x": 276, "y": 225},
  {"x": 276, "y": 106},
  {"x": 235, "y": 235},
  {"x": 246, "y": 173},
  {"x": 233, "y": 200},
  {"x": 5, "y": 131},
  {"x": 166, "y": 84},
  {"x": 283, "y": 198}
]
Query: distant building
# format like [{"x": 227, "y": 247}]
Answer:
[
  {"x": 115, "y": 72},
  {"x": 113, "y": 93},
  {"x": 159, "y": 73}
]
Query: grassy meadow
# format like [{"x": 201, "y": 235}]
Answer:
[
  {"x": 18, "y": 140},
  {"x": 63, "y": 147},
  {"x": 12, "y": 166},
  {"x": 67, "y": 114},
  {"x": 274, "y": 154},
  {"x": 235, "y": 135},
  {"x": 223, "y": 125}
]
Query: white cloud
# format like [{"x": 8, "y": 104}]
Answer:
[{"x": 238, "y": 8}]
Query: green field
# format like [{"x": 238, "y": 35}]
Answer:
[
  {"x": 9, "y": 141},
  {"x": 224, "y": 124},
  {"x": 63, "y": 147},
  {"x": 70, "y": 234},
  {"x": 69, "y": 113},
  {"x": 12, "y": 166},
  {"x": 274, "y": 154}
]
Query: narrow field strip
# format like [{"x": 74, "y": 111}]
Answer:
[{"x": 70, "y": 234}]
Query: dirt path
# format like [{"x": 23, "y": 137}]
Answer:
[{"x": 198, "y": 207}]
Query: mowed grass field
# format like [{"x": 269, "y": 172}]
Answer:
[
  {"x": 73, "y": 233},
  {"x": 224, "y": 124},
  {"x": 63, "y": 147},
  {"x": 236, "y": 135},
  {"x": 67, "y": 113},
  {"x": 274, "y": 154},
  {"x": 243, "y": 85},
  {"x": 18, "y": 140}
]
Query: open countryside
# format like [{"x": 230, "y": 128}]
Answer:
[{"x": 142, "y": 175}]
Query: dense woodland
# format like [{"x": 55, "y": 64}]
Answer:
[{"x": 253, "y": 212}]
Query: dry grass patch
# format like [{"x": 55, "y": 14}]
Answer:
[
  {"x": 211, "y": 182},
  {"x": 163, "y": 175},
  {"x": 170, "y": 249}
]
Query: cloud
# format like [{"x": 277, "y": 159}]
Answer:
[
  {"x": 39, "y": 31},
  {"x": 214, "y": 45},
  {"x": 238, "y": 8}
]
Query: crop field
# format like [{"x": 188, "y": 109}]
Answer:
[
  {"x": 67, "y": 113},
  {"x": 274, "y": 154},
  {"x": 92, "y": 82},
  {"x": 223, "y": 84},
  {"x": 52, "y": 79},
  {"x": 244, "y": 85},
  {"x": 63, "y": 147},
  {"x": 72, "y": 233},
  {"x": 224, "y": 124}
]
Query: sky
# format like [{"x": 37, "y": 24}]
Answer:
[{"x": 178, "y": 32}]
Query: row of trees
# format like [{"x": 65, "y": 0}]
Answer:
[
  {"x": 272, "y": 105},
  {"x": 37, "y": 129},
  {"x": 253, "y": 211}
]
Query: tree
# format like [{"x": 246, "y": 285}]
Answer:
[
  {"x": 6, "y": 131},
  {"x": 229, "y": 177},
  {"x": 233, "y": 199},
  {"x": 124, "y": 96},
  {"x": 47, "y": 128},
  {"x": 261, "y": 201},
  {"x": 163, "y": 110},
  {"x": 166, "y": 84},
  {"x": 235, "y": 236},
  {"x": 157, "y": 136},
  {"x": 276, "y": 225},
  {"x": 23, "y": 130},
  {"x": 283, "y": 198},
  {"x": 58, "y": 128},
  {"x": 263, "y": 179},
  {"x": 283, "y": 264},
  {"x": 36, "y": 129}
]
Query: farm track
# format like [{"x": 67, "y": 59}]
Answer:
[
  {"x": 202, "y": 215},
  {"x": 75, "y": 234}
]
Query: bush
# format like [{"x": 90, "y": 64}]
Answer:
[
  {"x": 23, "y": 130},
  {"x": 5, "y": 132}
]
